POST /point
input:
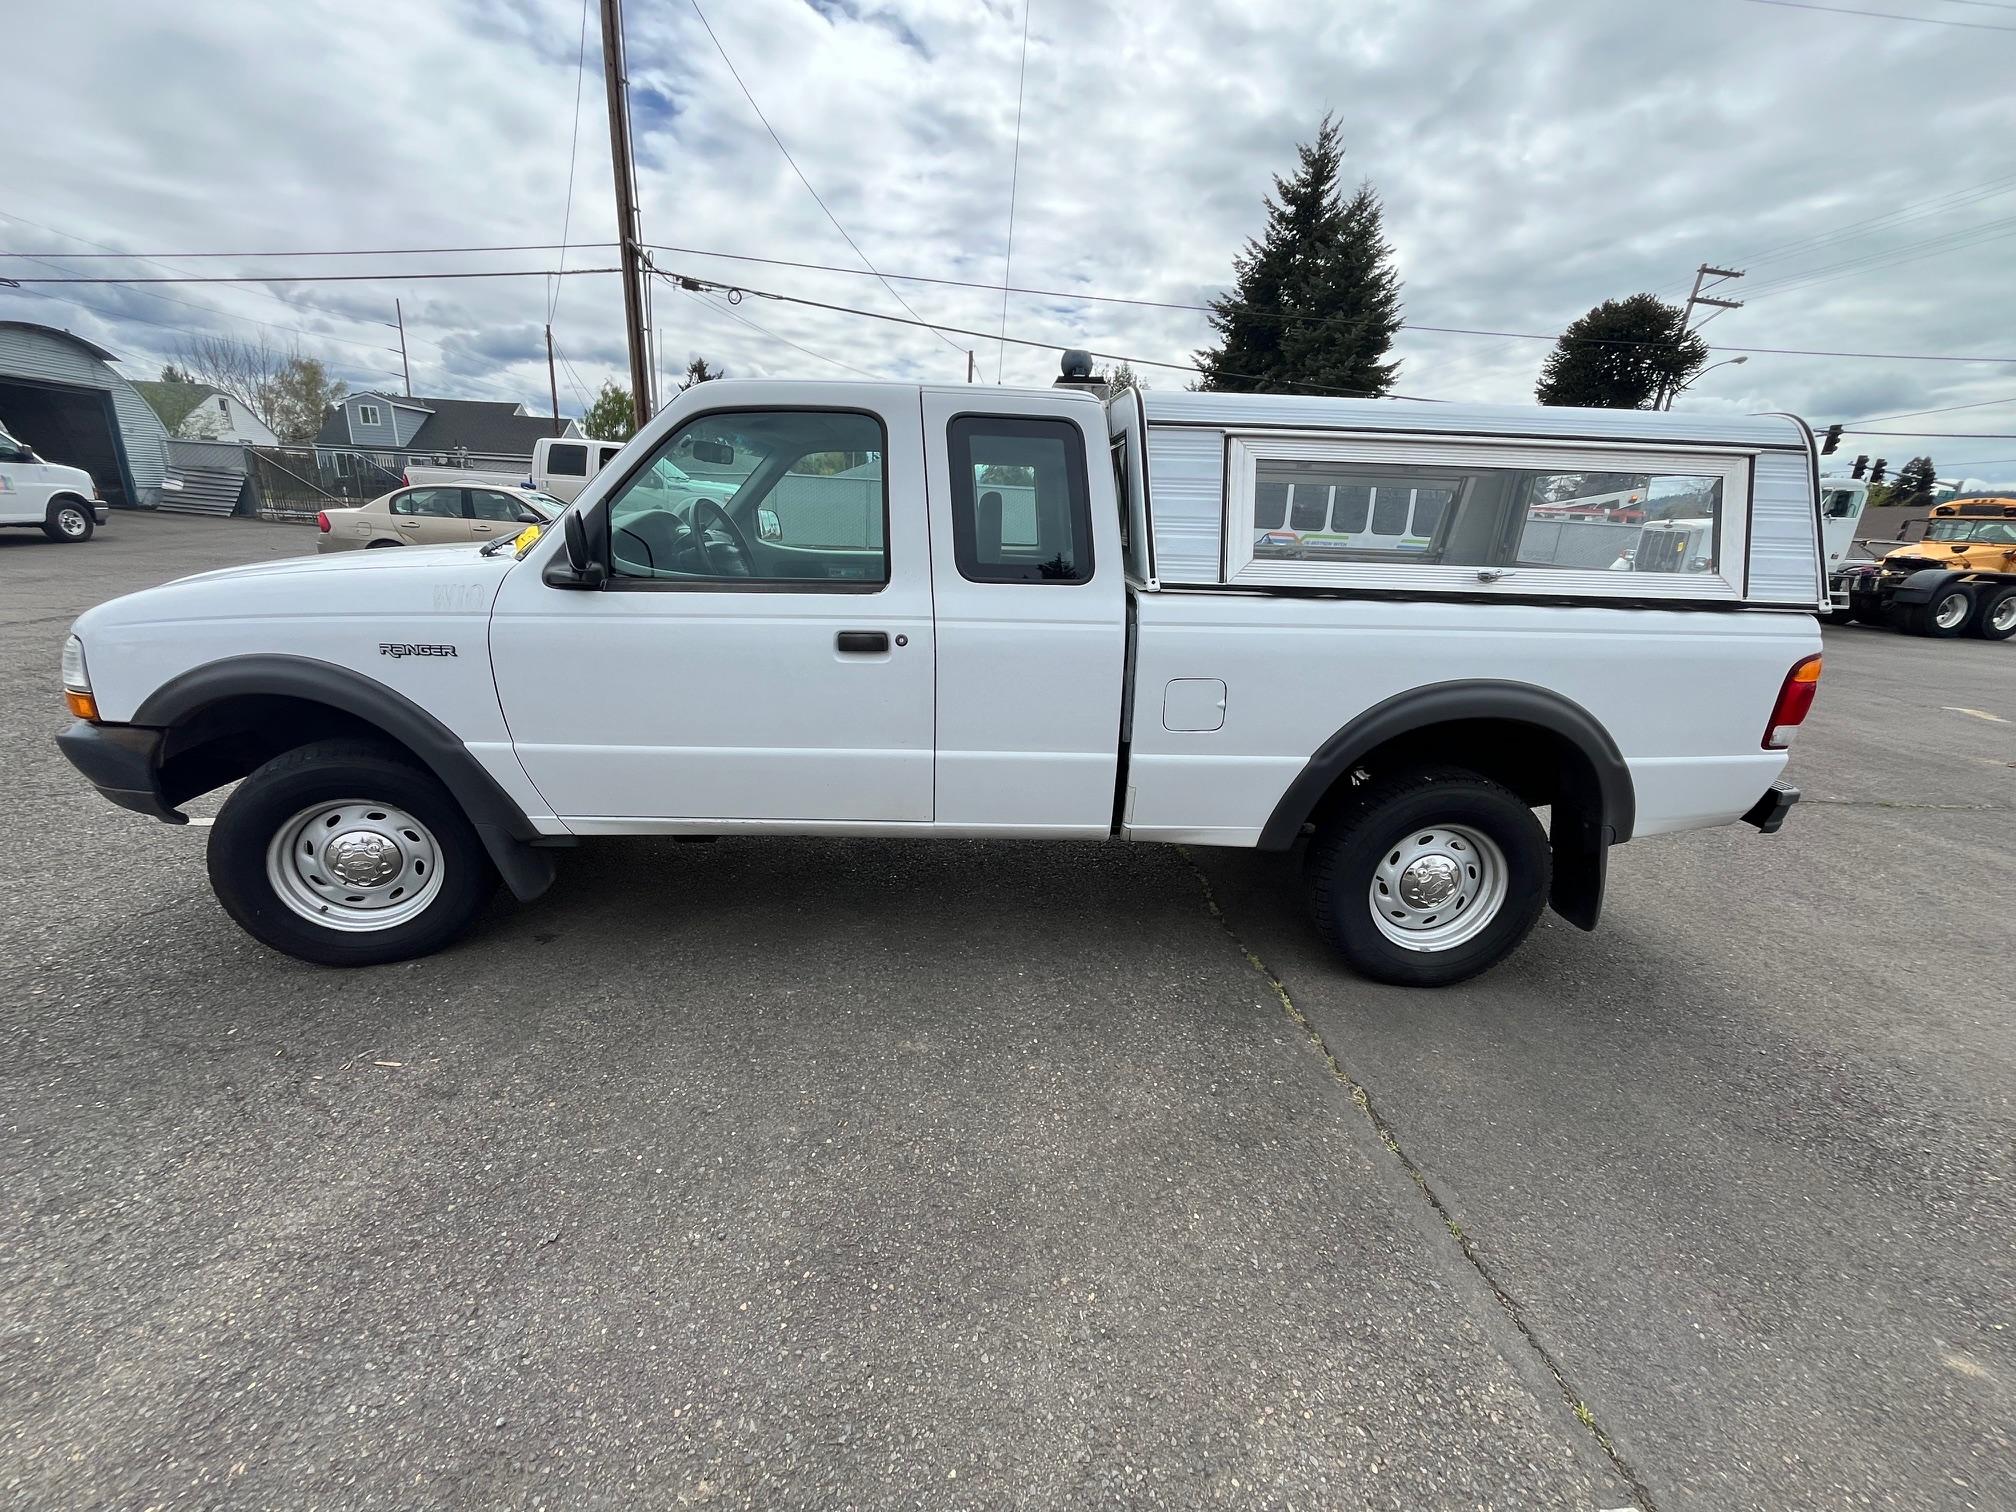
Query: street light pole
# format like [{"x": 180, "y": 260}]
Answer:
[
  {"x": 1725, "y": 362},
  {"x": 629, "y": 231}
]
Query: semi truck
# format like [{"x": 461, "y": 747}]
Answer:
[{"x": 1958, "y": 579}]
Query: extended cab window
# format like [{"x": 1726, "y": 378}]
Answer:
[
  {"x": 784, "y": 498},
  {"x": 1372, "y": 519},
  {"x": 1021, "y": 507},
  {"x": 567, "y": 461}
]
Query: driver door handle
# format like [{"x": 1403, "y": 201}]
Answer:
[{"x": 862, "y": 642}]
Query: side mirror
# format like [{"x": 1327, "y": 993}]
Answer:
[
  {"x": 768, "y": 526},
  {"x": 718, "y": 452},
  {"x": 575, "y": 567}
]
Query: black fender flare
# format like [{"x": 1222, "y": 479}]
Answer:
[
  {"x": 1924, "y": 585},
  {"x": 506, "y": 833},
  {"x": 1581, "y": 840}
]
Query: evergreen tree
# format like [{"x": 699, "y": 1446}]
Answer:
[
  {"x": 1915, "y": 482},
  {"x": 1621, "y": 355},
  {"x": 1316, "y": 301},
  {"x": 697, "y": 371}
]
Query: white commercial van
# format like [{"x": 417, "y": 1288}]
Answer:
[
  {"x": 988, "y": 612},
  {"x": 62, "y": 501}
]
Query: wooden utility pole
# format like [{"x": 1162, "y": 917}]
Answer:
[
  {"x": 552, "y": 382},
  {"x": 1669, "y": 391},
  {"x": 400, "y": 314},
  {"x": 629, "y": 233}
]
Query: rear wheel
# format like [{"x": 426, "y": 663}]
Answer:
[
  {"x": 1946, "y": 615},
  {"x": 69, "y": 521},
  {"x": 1996, "y": 618},
  {"x": 346, "y": 854},
  {"x": 372, "y": 545},
  {"x": 1429, "y": 878}
]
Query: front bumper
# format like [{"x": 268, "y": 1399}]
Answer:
[
  {"x": 100, "y": 511},
  {"x": 123, "y": 762},
  {"x": 1767, "y": 813}
]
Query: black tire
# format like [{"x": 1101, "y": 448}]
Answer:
[
  {"x": 1348, "y": 849},
  {"x": 371, "y": 545},
  {"x": 69, "y": 521},
  {"x": 1839, "y": 616},
  {"x": 1996, "y": 603},
  {"x": 1923, "y": 619},
  {"x": 338, "y": 771},
  {"x": 1867, "y": 609}
]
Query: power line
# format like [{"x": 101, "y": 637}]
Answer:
[
  {"x": 264, "y": 278},
  {"x": 733, "y": 314},
  {"x": 1883, "y": 15},
  {"x": 963, "y": 283},
  {"x": 1014, "y": 182},
  {"x": 573, "y": 152},
  {"x": 1937, "y": 435},
  {"x": 1938, "y": 246},
  {"x": 1914, "y": 414},
  {"x": 804, "y": 180},
  {"x": 686, "y": 281}
]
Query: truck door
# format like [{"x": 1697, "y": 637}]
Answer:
[
  {"x": 1031, "y": 605},
  {"x": 763, "y": 647}
]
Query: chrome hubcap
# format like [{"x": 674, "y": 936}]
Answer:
[
  {"x": 70, "y": 521},
  {"x": 1438, "y": 886},
  {"x": 2004, "y": 615},
  {"x": 1952, "y": 610},
  {"x": 354, "y": 866}
]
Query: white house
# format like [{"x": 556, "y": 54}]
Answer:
[{"x": 199, "y": 412}]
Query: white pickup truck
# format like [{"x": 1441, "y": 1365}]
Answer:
[{"x": 988, "y": 612}]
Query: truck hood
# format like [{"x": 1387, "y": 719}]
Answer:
[{"x": 405, "y": 559}]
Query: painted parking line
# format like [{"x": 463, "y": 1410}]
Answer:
[{"x": 1974, "y": 713}]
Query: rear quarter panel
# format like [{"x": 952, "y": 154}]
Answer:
[{"x": 1684, "y": 693}]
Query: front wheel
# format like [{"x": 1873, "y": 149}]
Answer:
[
  {"x": 68, "y": 521},
  {"x": 1429, "y": 878},
  {"x": 346, "y": 854}
]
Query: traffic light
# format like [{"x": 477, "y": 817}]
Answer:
[
  {"x": 1876, "y": 473},
  {"x": 1833, "y": 442},
  {"x": 1861, "y": 466}
]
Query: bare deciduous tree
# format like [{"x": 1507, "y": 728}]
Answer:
[{"x": 287, "y": 391}]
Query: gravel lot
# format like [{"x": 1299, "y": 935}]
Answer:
[{"x": 822, "y": 1173}]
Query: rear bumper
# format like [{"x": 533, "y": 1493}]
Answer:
[
  {"x": 1769, "y": 812},
  {"x": 123, "y": 762}
]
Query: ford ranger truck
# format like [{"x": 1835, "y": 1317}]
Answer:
[{"x": 1363, "y": 631}]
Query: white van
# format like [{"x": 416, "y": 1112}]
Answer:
[{"x": 63, "y": 501}]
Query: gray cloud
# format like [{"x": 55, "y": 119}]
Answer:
[{"x": 1535, "y": 156}]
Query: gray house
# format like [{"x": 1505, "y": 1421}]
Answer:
[
  {"x": 59, "y": 393},
  {"x": 389, "y": 430}
]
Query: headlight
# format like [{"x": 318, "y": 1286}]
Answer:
[
  {"x": 77, "y": 681},
  {"x": 75, "y": 678}
]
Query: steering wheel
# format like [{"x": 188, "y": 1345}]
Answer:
[{"x": 740, "y": 560}]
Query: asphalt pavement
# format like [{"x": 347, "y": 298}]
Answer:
[{"x": 831, "y": 1173}]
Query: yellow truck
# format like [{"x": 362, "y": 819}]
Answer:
[{"x": 1960, "y": 578}]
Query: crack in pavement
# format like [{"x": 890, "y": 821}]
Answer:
[{"x": 1362, "y": 1100}]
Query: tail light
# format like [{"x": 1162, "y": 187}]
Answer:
[
  {"x": 322, "y": 521},
  {"x": 405, "y": 479},
  {"x": 1795, "y": 702}
]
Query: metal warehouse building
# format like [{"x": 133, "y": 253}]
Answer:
[{"x": 59, "y": 393}]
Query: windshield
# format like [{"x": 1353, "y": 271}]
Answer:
[
  {"x": 2001, "y": 532},
  {"x": 545, "y": 506}
]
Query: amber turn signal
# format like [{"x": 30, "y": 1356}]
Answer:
[{"x": 83, "y": 705}]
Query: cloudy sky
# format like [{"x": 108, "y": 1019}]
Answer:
[{"x": 1534, "y": 156}]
